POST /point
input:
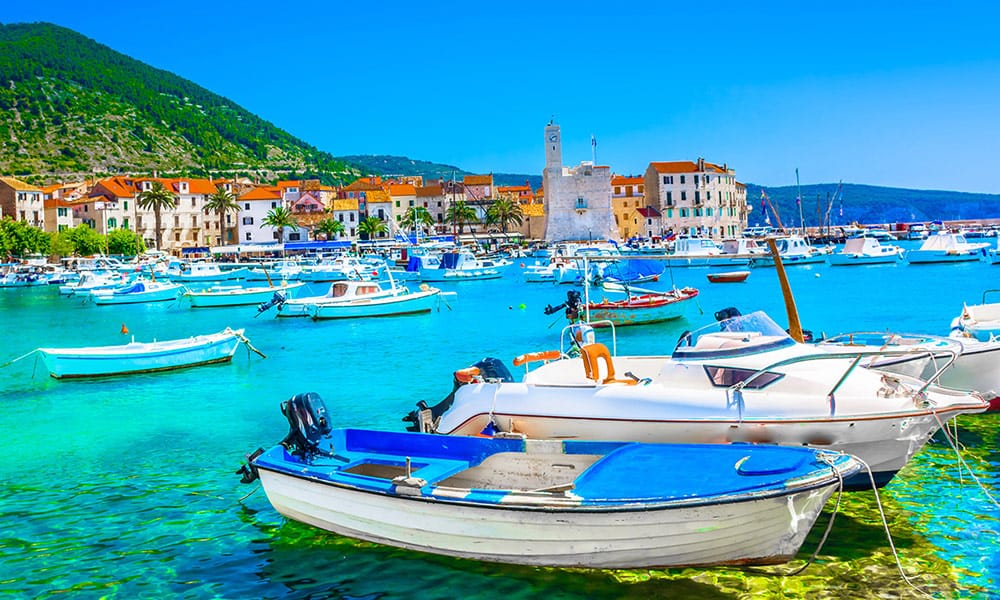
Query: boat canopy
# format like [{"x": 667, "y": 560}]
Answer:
[{"x": 735, "y": 336}]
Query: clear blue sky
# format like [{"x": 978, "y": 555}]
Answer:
[{"x": 902, "y": 94}]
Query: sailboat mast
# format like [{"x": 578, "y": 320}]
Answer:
[{"x": 798, "y": 197}]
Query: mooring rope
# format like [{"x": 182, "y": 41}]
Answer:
[
  {"x": 250, "y": 493},
  {"x": 23, "y": 356},
  {"x": 961, "y": 461},
  {"x": 246, "y": 342}
]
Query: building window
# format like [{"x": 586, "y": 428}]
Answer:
[
  {"x": 126, "y": 204},
  {"x": 112, "y": 223},
  {"x": 697, "y": 197},
  {"x": 248, "y": 236},
  {"x": 352, "y": 219},
  {"x": 640, "y": 189},
  {"x": 248, "y": 220},
  {"x": 274, "y": 205},
  {"x": 294, "y": 236},
  {"x": 194, "y": 221},
  {"x": 618, "y": 191},
  {"x": 194, "y": 202},
  {"x": 684, "y": 195},
  {"x": 581, "y": 203},
  {"x": 397, "y": 203},
  {"x": 708, "y": 212},
  {"x": 670, "y": 213},
  {"x": 61, "y": 212},
  {"x": 177, "y": 221},
  {"x": 682, "y": 180},
  {"x": 684, "y": 213},
  {"x": 246, "y": 206},
  {"x": 177, "y": 236},
  {"x": 125, "y": 223},
  {"x": 670, "y": 198}
]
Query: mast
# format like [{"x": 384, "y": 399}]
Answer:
[{"x": 798, "y": 200}]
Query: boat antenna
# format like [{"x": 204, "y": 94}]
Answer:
[{"x": 794, "y": 326}]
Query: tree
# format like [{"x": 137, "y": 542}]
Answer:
[
  {"x": 85, "y": 240},
  {"x": 416, "y": 216},
  {"x": 330, "y": 228},
  {"x": 125, "y": 242},
  {"x": 17, "y": 238},
  {"x": 459, "y": 214},
  {"x": 156, "y": 198},
  {"x": 279, "y": 218},
  {"x": 222, "y": 202},
  {"x": 505, "y": 212},
  {"x": 371, "y": 227}
]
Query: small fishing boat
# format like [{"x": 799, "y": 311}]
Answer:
[
  {"x": 91, "y": 281},
  {"x": 558, "y": 503},
  {"x": 23, "y": 277},
  {"x": 457, "y": 265},
  {"x": 980, "y": 321},
  {"x": 142, "y": 357},
  {"x": 204, "y": 272},
  {"x": 865, "y": 251},
  {"x": 139, "y": 292},
  {"x": 640, "y": 306},
  {"x": 946, "y": 247},
  {"x": 728, "y": 277},
  {"x": 219, "y": 296},
  {"x": 370, "y": 299}
]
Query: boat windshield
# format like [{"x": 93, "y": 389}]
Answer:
[{"x": 743, "y": 334}]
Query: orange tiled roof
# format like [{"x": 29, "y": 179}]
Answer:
[
  {"x": 513, "y": 189},
  {"x": 622, "y": 180},
  {"x": 19, "y": 185},
  {"x": 426, "y": 191},
  {"x": 402, "y": 189},
  {"x": 684, "y": 166},
  {"x": 365, "y": 184},
  {"x": 289, "y": 183},
  {"x": 478, "y": 180},
  {"x": 57, "y": 203},
  {"x": 264, "y": 192}
]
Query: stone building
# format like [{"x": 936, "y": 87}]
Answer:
[
  {"x": 577, "y": 199},
  {"x": 697, "y": 199}
]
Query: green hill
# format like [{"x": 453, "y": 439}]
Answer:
[{"x": 70, "y": 106}]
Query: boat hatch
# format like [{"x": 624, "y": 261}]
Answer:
[{"x": 728, "y": 376}]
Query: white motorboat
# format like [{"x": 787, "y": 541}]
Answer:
[
  {"x": 219, "y": 296},
  {"x": 138, "y": 292},
  {"x": 456, "y": 265},
  {"x": 743, "y": 379},
  {"x": 946, "y": 247},
  {"x": 204, "y": 272},
  {"x": 865, "y": 251},
  {"x": 980, "y": 321},
  {"x": 91, "y": 281},
  {"x": 703, "y": 252},
  {"x": 559, "y": 503},
  {"x": 355, "y": 298},
  {"x": 794, "y": 250}
]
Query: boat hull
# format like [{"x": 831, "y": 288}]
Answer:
[
  {"x": 238, "y": 297},
  {"x": 139, "y": 357},
  {"x": 917, "y": 257},
  {"x": 416, "y": 302},
  {"x": 640, "y": 310},
  {"x": 731, "y": 277},
  {"x": 696, "y": 536},
  {"x": 166, "y": 294},
  {"x": 853, "y": 260}
]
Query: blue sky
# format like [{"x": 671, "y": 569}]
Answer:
[{"x": 897, "y": 94}]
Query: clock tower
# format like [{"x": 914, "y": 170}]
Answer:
[{"x": 553, "y": 147}]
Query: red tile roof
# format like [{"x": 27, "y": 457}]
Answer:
[
  {"x": 622, "y": 180},
  {"x": 684, "y": 166},
  {"x": 402, "y": 189},
  {"x": 264, "y": 192}
]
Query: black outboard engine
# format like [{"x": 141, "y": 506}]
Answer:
[
  {"x": 307, "y": 424},
  {"x": 277, "y": 298},
  {"x": 727, "y": 313},
  {"x": 489, "y": 369},
  {"x": 572, "y": 304}
]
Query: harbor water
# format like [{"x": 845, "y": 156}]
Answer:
[{"x": 124, "y": 487}]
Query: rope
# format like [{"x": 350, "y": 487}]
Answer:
[
  {"x": 888, "y": 534},
  {"x": 826, "y": 534},
  {"x": 250, "y": 493},
  {"x": 246, "y": 342},
  {"x": 10, "y": 362},
  {"x": 961, "y": 460}
]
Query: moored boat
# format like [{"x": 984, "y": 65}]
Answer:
[
  {"x": 743, "y": 379},
  {"x": 639, "y": 306},
  {"x": 865, "y": 251},
  {"x": 980, "y": 321},
  {"x": 561, "y": 503},
  {"x": 220, "y": 296},
  {"x": 142, "y": 357},
  {"x": 946, "y": 247},
  {"x": 138, "y": 292},
  {"x": 728, "y": 277},
  {"x": 398, "y": 300}
]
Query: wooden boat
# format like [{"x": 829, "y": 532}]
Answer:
[
  {"x": 728, "y": 277},
  {"x": 742, "y": 379},
  {"x": 219, "y": 296},
  {"x": 139, "y": 292},
  {"x": 640, "y": 306},
  {"x": 142, "y": 357},
  {"x": 561, "y": 503}
]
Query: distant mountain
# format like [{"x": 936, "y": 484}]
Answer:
[
  {"x": 870, "y": 204},
  {"x": 70, "y": 106},
  {"x": 379, "y": 164}
]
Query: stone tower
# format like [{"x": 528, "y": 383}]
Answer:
[{"x": 578, "y": 199}]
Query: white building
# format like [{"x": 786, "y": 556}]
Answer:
[
  {"x": 699, "y": 199},
  {"x": 577, "y": 199},
  {"x": 254, "y": 207}
]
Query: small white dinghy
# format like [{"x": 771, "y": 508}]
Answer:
[
  {"x": 561, "y": 503},
  {"x": 143, "y": 357}
]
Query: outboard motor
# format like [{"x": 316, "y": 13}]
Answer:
[
  {"x": 572, "y": 304},
  {"x": 307, "y": 424},
  {"x": 277, "y": 298},
  {"x": 727, "y": 313},
  {"x": 490, "y": 369}
]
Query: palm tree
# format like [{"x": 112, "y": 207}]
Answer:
[
  {"x": 222, "y": 202},
  {"x": 280, "y": 217},
  {"x": 371, "y": 227},
  {"x": 157, "y": 198},
  {"x": 505, "y": 212},
  {"x": 416, "y": 216},
  {"x": 330, "y": 228},
  {"x": 459, "y": 213}
]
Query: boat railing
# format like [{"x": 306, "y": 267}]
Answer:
[
  {"x": 855, "y": 358},
  {"x": 988, "y": 292}
]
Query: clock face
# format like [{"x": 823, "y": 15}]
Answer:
[{"x": 553, "y": 137}]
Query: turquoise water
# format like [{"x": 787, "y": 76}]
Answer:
[{"x": 125, "y": 487}]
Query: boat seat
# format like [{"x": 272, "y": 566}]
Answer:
[
  {"x": 723, "y": 339},
  {"x": 593, "y": 355},
  {"x": 983, "y": 312}
]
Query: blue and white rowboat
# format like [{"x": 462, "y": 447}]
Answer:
[
  {"x": 563, "y": 503},
  {"x": 142, "y": 357}
]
